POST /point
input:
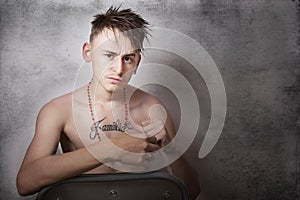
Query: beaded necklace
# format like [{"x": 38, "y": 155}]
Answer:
[{"x": 92, "y": 112}]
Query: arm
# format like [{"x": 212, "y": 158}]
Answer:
[
  {"x": 162, "y": 127},
  {"x": 181, "y": 169},
  {"x": 41, "y": 167}
]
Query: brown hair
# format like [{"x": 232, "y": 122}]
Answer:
[{"x": 126, "y": 21}]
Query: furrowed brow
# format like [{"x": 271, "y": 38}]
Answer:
[
  {"x": 111, "y": 52},
  {"x": 130, "y": 54}
]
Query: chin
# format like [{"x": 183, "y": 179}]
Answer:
[{"x": 112, "y": 89}]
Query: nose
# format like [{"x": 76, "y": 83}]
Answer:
[{"x": 118, "y": 66}]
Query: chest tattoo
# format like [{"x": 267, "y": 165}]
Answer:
[{"x": 115, "y": 126}]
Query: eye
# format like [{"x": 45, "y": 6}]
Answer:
[
  {"x": 108, "y": 55},
  {"x": 127, "y": 59}
]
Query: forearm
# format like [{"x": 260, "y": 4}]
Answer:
[{"x": 48, "y": 170}]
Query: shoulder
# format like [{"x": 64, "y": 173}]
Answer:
[
  {"x": 144, "y": 105},
  {"x": 149, "y": 107},
  {"x": 57, "y": 107},
  {"x": 53, "y": 116},
  {"x": 144, "y": 99},
  {"x": 61, "y": 102},
  {"x": 62, "y": 106}
]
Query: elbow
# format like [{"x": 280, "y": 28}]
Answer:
[
  {"x": 22, "y": 191},
  {"x": 22, "y": 186}
]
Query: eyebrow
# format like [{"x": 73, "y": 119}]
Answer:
[
  {"x": 110, "y": 52},
  {"x": 115, "y": 53},
  {"x": 130, "y": 54}
]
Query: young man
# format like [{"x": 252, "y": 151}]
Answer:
[{"x": 106, "y": 111}]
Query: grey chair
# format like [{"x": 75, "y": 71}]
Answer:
[{"x": 123, "y": 186}]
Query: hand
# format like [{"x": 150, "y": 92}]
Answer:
[
  {"x": 131, "y": 149},
  {"x": 156, "y": 129},
  {"x": 137, "y": 143}
]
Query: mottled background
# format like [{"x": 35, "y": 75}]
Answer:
[{"x": 255, "y": 44}]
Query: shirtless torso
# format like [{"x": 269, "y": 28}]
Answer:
[{"x": 76, "y": 131}]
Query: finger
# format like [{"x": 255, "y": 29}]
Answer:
[
  {"x": 152, "y": 140},
  {"x": 136, "y": 129},
  {"x": 153, "y": 128},
  {"x": 163, "y": 142},
  {"x": 162, "y": 135},
  {"x": 148, "y": 127},
  {"x": 152, "y": 147},
  {"x": 152, "y": 125}
]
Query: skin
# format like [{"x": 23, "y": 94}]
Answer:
[{"x": 67, "y": 120}]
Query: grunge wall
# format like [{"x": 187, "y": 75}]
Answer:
[{"x": 255, "y": 44}]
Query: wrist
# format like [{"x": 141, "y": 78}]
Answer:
[{"x": 101, "y": 151}]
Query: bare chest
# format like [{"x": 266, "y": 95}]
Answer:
[{"x": 84, "y": 128}]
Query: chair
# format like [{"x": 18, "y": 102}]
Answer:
[{"x": 123, "y": 186}]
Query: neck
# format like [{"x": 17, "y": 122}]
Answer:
[{"x": 100, "y": 95}]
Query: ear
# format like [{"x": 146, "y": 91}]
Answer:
[
  {"x": 137, "y": 64},
  {"x": 86, "y": 52},
  {"x": 138, "y": 61}
]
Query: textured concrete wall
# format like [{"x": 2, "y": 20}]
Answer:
[{"x": 255, "y": 44}]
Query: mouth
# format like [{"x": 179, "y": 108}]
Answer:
[{"x": 115, "y": 80}]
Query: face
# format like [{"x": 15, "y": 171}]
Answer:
[{"x": 113, "y": 59}]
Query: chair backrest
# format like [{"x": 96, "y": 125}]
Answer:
[{"x": 123, "y": 186}]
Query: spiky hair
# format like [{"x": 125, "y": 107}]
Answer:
[{"x": 125, "y": 21}]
